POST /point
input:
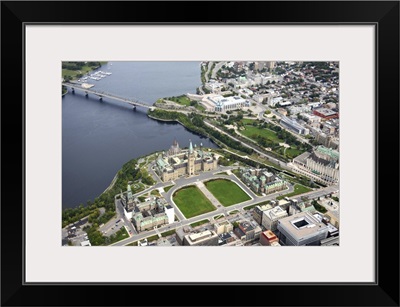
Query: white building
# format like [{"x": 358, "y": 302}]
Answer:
[
  {"x": 218, "y": 103},
  {"x": 169, "y": 210},
  {"x": 302, "y": 229},
  {"x": 270, "y": 217}
]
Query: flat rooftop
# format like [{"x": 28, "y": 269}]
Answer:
[{"x": 301, "y": 225}]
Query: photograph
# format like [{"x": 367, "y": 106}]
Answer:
[{"x": 209, "y": 153}]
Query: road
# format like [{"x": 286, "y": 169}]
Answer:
[
  {"x": 270, "y": 158},
  {"x": 216, "y": 69},
  {"x": 221, "y": 210}
]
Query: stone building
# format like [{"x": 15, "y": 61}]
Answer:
[{"x": 178, "y": 162}]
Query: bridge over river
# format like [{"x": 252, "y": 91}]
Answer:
[{"x": 131, "y": 101}]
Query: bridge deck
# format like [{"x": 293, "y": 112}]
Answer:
[{"x": 131, "y": 101}]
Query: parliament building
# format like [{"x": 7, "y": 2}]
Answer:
[{"x": 177, "y": 162}]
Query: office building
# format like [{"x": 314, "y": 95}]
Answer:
[
  {"x": 301, "y": 229},
  {"x": 293, "y": 125},
  {"x": 204, "y": 238},
  {"x": 262, "y": 181},
  {"x": 267, "y": 238},
  {"x": 272, "y": 216},
  {"x": 222, "y": 227},
  {"x": 325, "y": 113},
  {"x": 258, "y": 212}
]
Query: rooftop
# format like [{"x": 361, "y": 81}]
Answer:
[
  {"x": 301, "y": 225},
  {"x": 325, "y": 111}
]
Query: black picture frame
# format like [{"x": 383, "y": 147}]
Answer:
[{"x": 383, "y": 14}]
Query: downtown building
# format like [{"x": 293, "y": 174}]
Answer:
[
  {"x": 302, "y": 229},
  {"x": 293, "y": 125},
  {"x": 178, "y": 162},
  {"x": 204, "y": 238}
]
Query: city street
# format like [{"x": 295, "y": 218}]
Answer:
[{"x": 223, "y": 210}]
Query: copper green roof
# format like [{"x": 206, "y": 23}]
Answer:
[{"x": 328, "y": 151}]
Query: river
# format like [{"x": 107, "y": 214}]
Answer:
[{"x": 99, "y": 137}]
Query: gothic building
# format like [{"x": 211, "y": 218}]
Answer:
[{"x": 177, "y": 162}]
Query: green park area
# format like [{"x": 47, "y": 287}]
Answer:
[
  {"x": 298, "y": 189},
  {"x": 74, "y": 70},
  {"x": 119, "y": 235},
  {"x": 253, "y": 132},
  {"x": 183, "y": 100},
  {"x": 192, "y": 202},
  {"x": 199, "y": 223},
  {"x": 227, "y": 192},
  {"x": 268, "y": 135}
]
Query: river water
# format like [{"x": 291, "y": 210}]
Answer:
[{"x": 99, "y": 137}]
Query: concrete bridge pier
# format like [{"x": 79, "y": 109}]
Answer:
[{"x": 134, "y": 108}]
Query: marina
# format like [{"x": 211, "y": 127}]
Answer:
[{"x": 97, "y": 76}]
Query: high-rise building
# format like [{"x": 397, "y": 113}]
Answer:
[{"x": 258, "y": 212}]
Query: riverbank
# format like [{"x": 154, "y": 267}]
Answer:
[
  {"x": 69, "y": 73},
  {"x": 195, "y": 123}
]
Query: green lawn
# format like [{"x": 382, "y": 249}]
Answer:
[
  {"x": 200, "y": 107},
  {"x": 259, "y": 204},
  {"x": 298, "y": 189},
  {"x": 119, "y": 235},
  {"x": 227, "y": 192},
  {"x": 293, "y": 152},
  {"x": 152, "y": 238},
  {"x": 155, "y": 192},
  {"x": 250, "y": 207},
  {"x": 192, "y": 202},
  {"x": 252, "y": 131},
  {"x": 247, "y": 121},
  {"x": 74, "y": 73},
  {"x": 166, "y": 189},
  {"x": 199, "y": 223},
  {"x": 233, "y": 212},
  {"x": 168, "y": 233},
  {"x": 183, "y": 100}
]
